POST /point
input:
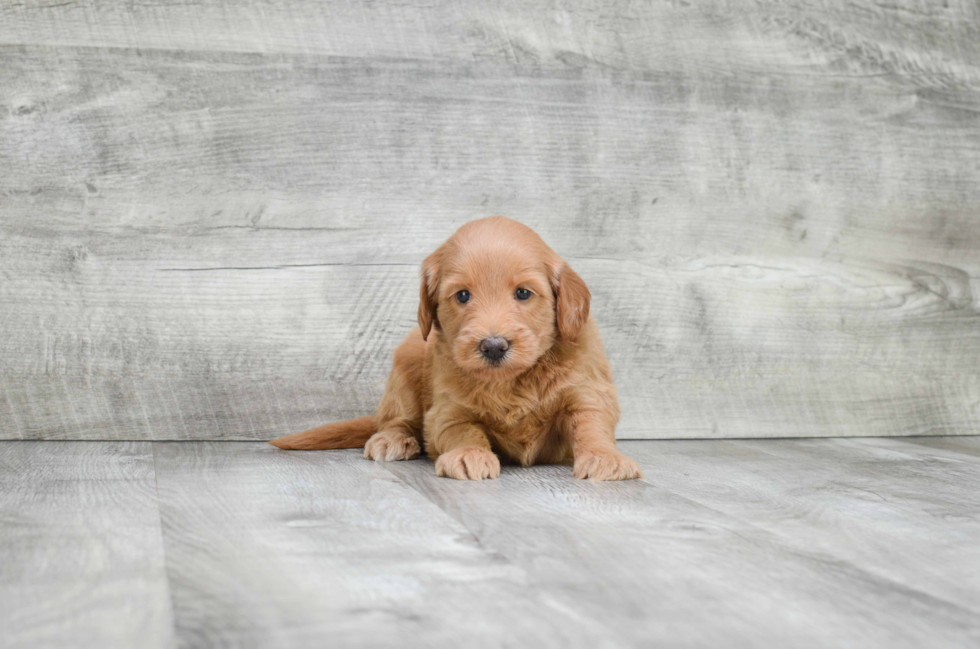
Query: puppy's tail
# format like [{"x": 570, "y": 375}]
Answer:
[{"x": 353, "y": 433}]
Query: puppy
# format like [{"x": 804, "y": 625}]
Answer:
[{"x": 506, "y": 361}]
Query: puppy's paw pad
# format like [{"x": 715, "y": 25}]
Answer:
[
  {"x": 391, "y": 445},
  {"x": 469, "y": 463},
  {"x": 605, "y": 465}
]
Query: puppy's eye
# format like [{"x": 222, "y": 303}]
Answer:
[
  {"x": 463, "y": 296},
  {"x": 522, "y": 294}
]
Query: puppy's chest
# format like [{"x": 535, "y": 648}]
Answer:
[{"x": 521, "y": 417}]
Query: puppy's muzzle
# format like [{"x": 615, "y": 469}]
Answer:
[{"x": 494, "y": 349}]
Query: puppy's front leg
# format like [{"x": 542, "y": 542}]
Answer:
[
  {"x": 594, "y": 448},
  {"x": 461, "y": 448}
]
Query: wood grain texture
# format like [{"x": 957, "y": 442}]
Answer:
[
  {"x": 211, "y": 216},
  {"x": 962, "y": 447},
  {"x": 893, "y": 508},
  {"x": 267, "y": 548},
  {"x": 659, "y": 568},
  {"x": 802, "y": 543},
  {"x": 81, "y": 555}
]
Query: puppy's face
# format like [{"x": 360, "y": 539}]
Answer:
[
  {"x": 501, "y": 297},
  {"x": 496, "y": 306}
]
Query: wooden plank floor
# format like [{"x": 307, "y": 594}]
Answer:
[
  {"x": 830, "y": 542},
  {"x": 81, "y": 554}
]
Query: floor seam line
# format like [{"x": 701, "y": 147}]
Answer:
[{"x": 163, "y": 543}]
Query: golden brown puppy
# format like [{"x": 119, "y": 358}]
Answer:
[{"x": 505, "y": 361}]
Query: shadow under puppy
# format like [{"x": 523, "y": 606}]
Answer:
[{"x": 505, "y": 361}]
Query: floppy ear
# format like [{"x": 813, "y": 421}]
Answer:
[
  {"x": 427, "y": 295},
  {"x": 572, "y": 300}
]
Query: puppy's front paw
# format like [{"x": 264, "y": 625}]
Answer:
[
  {"x": 468, "y": 463},
  {"x": 389, "y": 445},
  {"x": 605, "y": 465}
]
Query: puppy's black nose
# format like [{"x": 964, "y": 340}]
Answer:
[{"x": 493, "y": 349}]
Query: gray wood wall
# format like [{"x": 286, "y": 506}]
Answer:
[{"x": 211, "y": 214}]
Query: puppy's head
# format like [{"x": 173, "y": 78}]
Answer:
[{"x": 501, "y": 297}]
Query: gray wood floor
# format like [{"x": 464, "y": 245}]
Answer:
[{"x": 831, "y": 542}]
